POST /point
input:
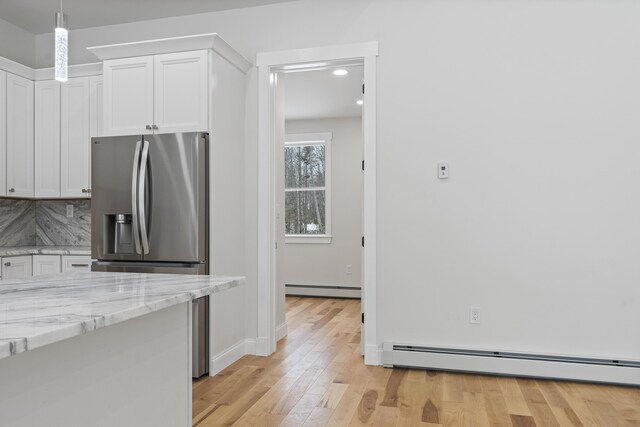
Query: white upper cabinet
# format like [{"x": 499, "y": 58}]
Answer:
[
  {"x": 3, "y": 133},
  {"x": 96, "y": 98},
  {"x": 47, "y": 138},
  {"x": 75, "y": 141},
  {"x": 180, "y": 92},
  {"x": 156, "y": 94},
  {"x": 20, "y": 178},
  {"x": 128, "y": 96}
]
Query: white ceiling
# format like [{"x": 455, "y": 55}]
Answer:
[
  {"x": 320, "y": 94},
  {"x": 37, "y": 16}
]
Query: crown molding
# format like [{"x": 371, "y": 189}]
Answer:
[{"x": 170, "y": 45}]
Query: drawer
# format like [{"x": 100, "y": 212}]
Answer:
[{"x": 76, "y": 263}]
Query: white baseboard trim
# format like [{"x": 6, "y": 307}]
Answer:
[
  {"x": 262, "y": 346},
  {"x": 372, "y": 355},
  {"x": 536, "y": 366},
  {"x": 225, "y": 358},
  {"x": 323, "y": 291},
  {"x": 250, "y": 346},
  {"x": 281, "y": 331}
]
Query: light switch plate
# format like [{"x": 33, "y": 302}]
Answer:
[{"x": 69, "y": 211}]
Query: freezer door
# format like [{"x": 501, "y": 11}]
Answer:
[
  {"x": 112, "y": 180},
  {"x": 174, "y": 198}
]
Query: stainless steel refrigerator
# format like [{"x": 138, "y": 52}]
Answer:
[{"x": 150, "y": 211}]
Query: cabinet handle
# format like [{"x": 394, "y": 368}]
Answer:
[
  {"x": 79, "y": 265},
  {"x": 84, "y": 190},
  {"x": 148, "y": 127},
  {"x": 12, "y": 190},
  {"x": 7, "y": 264},
  {"x": 155, "y": 127}
]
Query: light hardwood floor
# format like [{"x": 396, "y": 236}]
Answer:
[{"x": 317, "y": 378}]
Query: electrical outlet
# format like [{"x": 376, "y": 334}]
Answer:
[
  {"x": 474, "y": 315},
  {"x": 349, "y": 269},
  {"x": 69, "y": 211}
]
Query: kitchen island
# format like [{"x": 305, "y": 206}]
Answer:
[{"x": 99, "y": 349}]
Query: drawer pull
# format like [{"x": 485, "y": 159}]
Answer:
[
  {"x": 79, "y": 265},
  {"x": 7, "y": 264}
]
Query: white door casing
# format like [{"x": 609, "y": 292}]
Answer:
[{"x": 265, "y": 342}]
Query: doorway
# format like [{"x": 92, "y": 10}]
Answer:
[
  {"x": 318, "y": 182},
  {"x": 271, "y": 129}
]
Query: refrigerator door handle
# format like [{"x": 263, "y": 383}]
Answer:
[
  {"x": 134, "y": 198},
  {"x": 142, "y": 197}
]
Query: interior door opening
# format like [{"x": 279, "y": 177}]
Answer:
[{"x": 318, "y": 134}]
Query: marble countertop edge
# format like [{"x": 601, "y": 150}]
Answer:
[
  {"x": 44, "y": 250},
  {"x": 11, "y": 346}
]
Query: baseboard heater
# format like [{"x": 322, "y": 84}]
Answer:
[
  {"x": 322, "y": 291},
  {"x": 512, "y": 364}
]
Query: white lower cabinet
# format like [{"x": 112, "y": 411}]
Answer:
[
  {"x": 46, "y": 264},
  {"x": 16, "y": 267},
  {"x": 76, "y": 263}
]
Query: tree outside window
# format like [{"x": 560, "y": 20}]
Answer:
[{"x": 306, "y": 160}]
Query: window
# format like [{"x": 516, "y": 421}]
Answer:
[{"x": 307, "y": 187}]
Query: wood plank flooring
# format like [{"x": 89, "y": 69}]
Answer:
[{"x": 317, "y": 378}]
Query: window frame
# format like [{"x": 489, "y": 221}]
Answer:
[{"x": 304, "y": 139}]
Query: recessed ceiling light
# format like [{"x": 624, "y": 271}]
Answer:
[
  {"x": 340, "y": 72},
  {"x": 359, "y": 102}
]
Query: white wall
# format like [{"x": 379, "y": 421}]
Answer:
[
  {"x": 18, "y": 44},
  {"x": 325, "y": 264},
  {"x": 534, "y": 104}
]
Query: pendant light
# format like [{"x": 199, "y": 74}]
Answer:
[{"x": 61, "y": 45}]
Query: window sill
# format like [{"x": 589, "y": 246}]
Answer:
[{"x": 298, "y": 238}]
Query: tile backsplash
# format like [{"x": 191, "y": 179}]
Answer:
[
  {"x": 44, "y": 223},
  {"x": 17, "y": 222}
]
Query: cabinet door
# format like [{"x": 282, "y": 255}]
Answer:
[
  {"x": 46, "y": 264},
  {"x": 181, "y": 92},
  {"x": 128, "y": 96},
  {"x": 75, "y": 142},
  {"x": 16, "y": 267},
  {"x": 76, "y": 263},
  {"x": 19, "y": 136},
  {"x": 95, "y": 109},
  {"x": 47, "y": 138},
  {"x": 3, "y": 133}
]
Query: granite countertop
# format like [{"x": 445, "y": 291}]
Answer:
[
  {"x": 42, "y": 310},
  {"x": 44, "y": 250}
]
